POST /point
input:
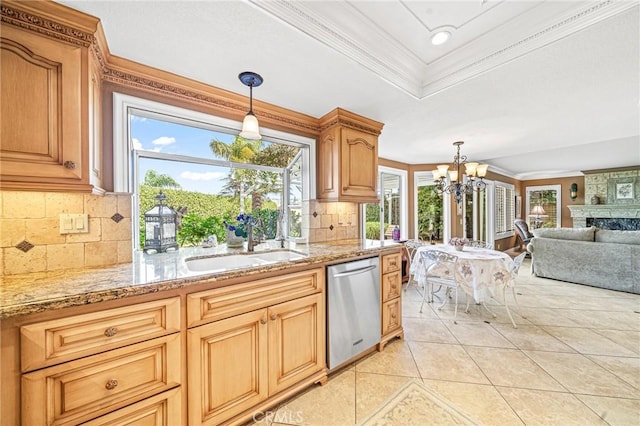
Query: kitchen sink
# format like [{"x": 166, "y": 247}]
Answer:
[
  {"x": 239, "y": 261},
  {"x": 278, "y": 256}
]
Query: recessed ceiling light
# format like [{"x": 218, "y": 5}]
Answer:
[{"x": 440, "y": 37}]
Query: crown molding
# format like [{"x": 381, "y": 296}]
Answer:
[
  {"x": 391, "y": 61},
  {"x": 447, "y": 73},
  {"x": 52, "y": 20}
]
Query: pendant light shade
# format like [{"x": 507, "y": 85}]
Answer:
[{"x": 250, "y": 127}]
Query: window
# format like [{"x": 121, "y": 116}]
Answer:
[
  {"x": 200, "y": 163},
  {"x": 381, "y": 218},
  {"x": 431, "y": 222},
  {"x": 504, "y": 210},
  {"x": 543, "y": 206}
]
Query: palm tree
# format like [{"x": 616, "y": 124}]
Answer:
[
  {"x": 243, "y": 183},
  {"x": 153, "y": 178},
  {"x": 239, "y": 151}
]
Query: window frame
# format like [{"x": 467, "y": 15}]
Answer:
[
  {"x": 125, "y": 157},
  {"x": 557, "y": 188},
  {"x": 507, "y": 233}
]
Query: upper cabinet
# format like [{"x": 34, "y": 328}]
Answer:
[
  {"x": 50, "y": 96},
  {"x": 347, "y": 155}
]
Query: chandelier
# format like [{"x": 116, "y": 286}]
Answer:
[{"x": 460, "y": 183}]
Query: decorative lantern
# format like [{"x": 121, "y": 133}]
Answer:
[{"x": 160, "y": 227}]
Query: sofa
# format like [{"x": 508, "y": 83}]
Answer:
[{"x": 596, "y": 257}]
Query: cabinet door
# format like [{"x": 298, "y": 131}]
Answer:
[
  {"x": 391, "y": 285},
  {"x": 42, "y": 128},
  {"x": 328, "y": 154},
  {"x": 227, "y": 367},
  {"x": 296, "y": 341},
  {"x": 391, "y": 315},
  {"x": 358, "y": 164}
]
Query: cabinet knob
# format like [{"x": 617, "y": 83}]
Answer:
[
  {"x": 111, "y": 331},
  {"x": 263, "y": 320},
  {"x": 111, "y": 384},
  {"x": 393, "y": 315},
  {"x": 273, "y": 317},
  {"x": 70, "y": 164}
]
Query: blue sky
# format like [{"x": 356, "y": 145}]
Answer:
[{"x": 161, "y": 136}]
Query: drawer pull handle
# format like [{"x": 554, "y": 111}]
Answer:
[
  {"x": 70, "y": 164},
  {"x": 111, "y": 331},
  {"x": 111, "y": 384},
  {"x": 263, "y": 320},
  {"x": 273, "y": 317}
]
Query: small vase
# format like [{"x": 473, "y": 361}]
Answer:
[
  {"x": 595, "y": 200},
  {"x": 458, "y": 248},
  {"x": 233, "y": 240}
]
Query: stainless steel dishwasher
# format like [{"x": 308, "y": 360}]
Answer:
[{"x": 353, "y": 294}]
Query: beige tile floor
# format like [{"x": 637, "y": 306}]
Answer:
[{"x": 573, "y": 360}]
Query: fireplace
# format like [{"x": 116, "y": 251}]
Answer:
[
  {"x": 607, "y": 216},
  {"x": 617, "y": 223}
]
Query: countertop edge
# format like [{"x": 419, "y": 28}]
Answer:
[{"x": 122, "y": 291}]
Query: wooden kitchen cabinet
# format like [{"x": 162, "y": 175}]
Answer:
[
  {"x": 347, "y": 158},
  {"x": 81, "y": 367},
  {"x": 391, "y": 295},
  {"x": 84, "y": 389},
  {"x": 248, "y": 360},
  {"x": 46, "y": 88}
]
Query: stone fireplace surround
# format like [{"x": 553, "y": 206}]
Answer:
[{"x": 611, "y": 216}]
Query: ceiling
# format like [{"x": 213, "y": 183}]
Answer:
[{"x": 535, "y": 88}]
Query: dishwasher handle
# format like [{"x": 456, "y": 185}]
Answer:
[{"x": 355, "y": 271}]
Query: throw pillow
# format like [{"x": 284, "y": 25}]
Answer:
[
  {"x": 620, "y": 237},
  {"x": 576, "y": 234}
]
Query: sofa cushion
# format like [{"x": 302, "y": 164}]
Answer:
[
  {"x": 619, "y": 237},
  {"x": 576, "y": 234}
]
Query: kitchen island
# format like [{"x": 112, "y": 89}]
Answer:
[{"x": 155, "y": 336}]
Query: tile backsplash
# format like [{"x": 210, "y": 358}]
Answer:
[
  {"x": 330, "y": 221},
  {"x": 31, "y": 221},
  {"x": 33, "y": 217}
]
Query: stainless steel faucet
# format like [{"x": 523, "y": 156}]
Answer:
[
  {"x": 280, "y": 228},
  {"x": 251, "y": 242}
]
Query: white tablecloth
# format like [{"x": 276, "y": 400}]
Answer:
[{"x": 480, "y": 269}]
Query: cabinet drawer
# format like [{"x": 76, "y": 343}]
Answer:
[
  {"x": 90, "y": 387},
  {"x": 391, "y": 315},
  {"x": 52, "y": 342},
  {"x": 391, "y": 286},
  {"x": 160, "y": 410},
  {"x": 224, "y": 302},
  {"x": 391, "y": 263}
]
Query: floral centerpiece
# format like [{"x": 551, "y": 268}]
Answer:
[
  {"x": 458, "y": 243},
  {"x": 237, "y": 233}
]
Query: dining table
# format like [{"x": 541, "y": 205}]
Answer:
[{"x": 481, "y": 270}]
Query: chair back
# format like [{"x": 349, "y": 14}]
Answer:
[
  {"x": 480, "y": 244},
  {"x": 517, "y": 262},
  {"x": 523, "y": 230},
  {"x": 439, "y": 264}
]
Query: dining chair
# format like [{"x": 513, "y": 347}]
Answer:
[
  {"x": 441, "y": 269},
  {"x": 480, "y": 244},
  {"x": 517, "y": 262},
  {"x": 411, "y": 247}
]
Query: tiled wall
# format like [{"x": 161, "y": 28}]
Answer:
[
  {"x": 329, "y": 221},
  {"x": 596, "y": 183},
  {"x": 34, "y": 217}
]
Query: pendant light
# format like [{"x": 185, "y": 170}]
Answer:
[
  {"x": 250, "y": 128},
  {"x": 461, "y": 182}
]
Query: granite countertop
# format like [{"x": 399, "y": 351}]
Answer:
[{"x": 44, "y": 291}]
